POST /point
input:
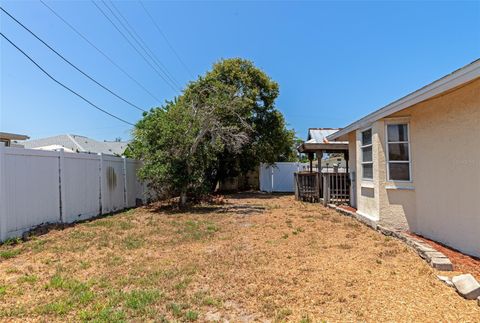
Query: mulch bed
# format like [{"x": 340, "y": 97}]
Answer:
[{"x": 461, "y": 262}]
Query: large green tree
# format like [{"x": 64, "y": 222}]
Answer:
[
  {"x": 270, "y": 141},
  {"x": 223, "y": 123}
]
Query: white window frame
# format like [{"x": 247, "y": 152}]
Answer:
[
  {"x": 361, "y": 152},
  {"x": 387, "y": 158}
]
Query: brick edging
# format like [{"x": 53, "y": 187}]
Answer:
[{"x": 434, "y": 258}]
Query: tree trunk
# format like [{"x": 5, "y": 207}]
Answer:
[{"x": 183, "y": 198}]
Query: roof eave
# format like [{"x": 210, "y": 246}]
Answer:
[
  {"x": 459, "y": 77},
  {"x": 313, "y": 147},
  {"x": 13, "y": 136}
]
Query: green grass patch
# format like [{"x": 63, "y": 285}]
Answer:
[
  {"x": 10, "y": 253},
  {"x": 37, "y": 245},
  {"x": 196, "y": 230},
  {"x": 31, "y": 279},
  {"x": 79, "y": 292},
  {"x": 191, "y": 315},
  {"x": 58, "y": 307},
  {"x": 102, "y": 315},
  {"x": 132, "y": 242},
  {"x": 183, "y": 284},
  {"x": 12, "y": 241},
  {"x": 104, "y": 223},
  {"x": 204, "y": 299},
  {"x": 125, "y": 225},
  {"x": 176, "y": 309},
  {"x": 138, "y": 300}
]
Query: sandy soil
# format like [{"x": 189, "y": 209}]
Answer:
[{"x": 255, "y": 257}]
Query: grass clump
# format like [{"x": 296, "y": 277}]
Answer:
[
  {"x": 191, "y": 315},
  {"x": 58, "y": 307},
  {"x": 104, "y": 314},
  {"x": 10, "y": 253},
  {"x": 176, "y": 309},
  {"x": 202, "y": 298},
  {"x": 139, "y": 299},
  {"x": 31, "y": 279},
  {"x": 196, "y": 230},
  {"x": 282, "y": 314},
  {"x": 132, "y": 242}
]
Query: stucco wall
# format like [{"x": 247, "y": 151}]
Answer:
[
  {"x": 445, "y": 136},
  {"x": 440, "y": 202}
]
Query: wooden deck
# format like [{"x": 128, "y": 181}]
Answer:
[{"x": 323, "y": 187}]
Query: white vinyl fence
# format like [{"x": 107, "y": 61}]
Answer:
[
  {"x": 279, "y": 176},
  {"x": 39, "y": 187}
]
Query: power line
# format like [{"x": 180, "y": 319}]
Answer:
[
  {"x": 166, "y": 39},
  {"x": 100, "y": 51},
  {"x": 142, "y": 43},
  {"x": 63, "y": 85},
  {"x": 71, "y": 64},
  {"x": 133, "y": 46}
]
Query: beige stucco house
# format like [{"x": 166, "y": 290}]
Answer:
[{"x": 415, "y": 163}]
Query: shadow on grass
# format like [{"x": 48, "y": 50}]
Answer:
[
  {"x": 45, "y": 228},
  {"x": 171, "y": 207},
  {"x": 239, "y": 209},
  {"x": 256, "y": 195}
]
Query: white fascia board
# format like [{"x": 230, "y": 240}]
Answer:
[{"x": 461, "y": 76}]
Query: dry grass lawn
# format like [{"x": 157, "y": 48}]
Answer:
[{"x": 257, "y": 257}]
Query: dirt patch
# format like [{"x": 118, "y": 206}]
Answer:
[{"x": 253, "y": 257}]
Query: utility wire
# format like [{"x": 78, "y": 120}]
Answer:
[
  {"x": 165, "y": 38},
  {"x": 63, "y": 85},
  {"x": 71, "y": 64},
  {"x": 138, "y": 39},
  {"x": 133, "y": 46},
  {"x": 100, "y": 51}
]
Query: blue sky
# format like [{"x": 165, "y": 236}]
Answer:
[{"x": 334, "y": 61}]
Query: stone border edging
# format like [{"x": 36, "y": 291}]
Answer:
[{"x": 434, "y": 258}]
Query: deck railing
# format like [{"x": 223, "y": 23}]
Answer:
[{"x": 331, "y": 187}]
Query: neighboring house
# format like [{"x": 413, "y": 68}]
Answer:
[
  {"x": 10, "y": 139},
  {"x": 407, "y": 172},
  {"x": 330, "y": 153},
  {"x": 76, "y": 143}
]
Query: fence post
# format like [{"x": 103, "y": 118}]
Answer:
[
  {"x": 100, "y": 178},
  {"x": 3, "y": 194},
  {"x": 271, "y": 182},
  {"x": 125, "y": 192},
  {"x": 61, "y": 184},
  {"x": 326, "y": 188}
]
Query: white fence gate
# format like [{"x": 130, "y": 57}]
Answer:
[
  {"x": 39, "y": 187},
  {"x": 279, "y": 176}
]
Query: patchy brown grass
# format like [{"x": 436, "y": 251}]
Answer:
[{"x": 254, "y": 257}]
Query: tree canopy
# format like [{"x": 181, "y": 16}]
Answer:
[{"x": 223, "y": 124}]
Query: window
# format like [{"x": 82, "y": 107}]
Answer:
[
  {"x": 367, "y": 158},
  {"x": 398, "y": 152}
]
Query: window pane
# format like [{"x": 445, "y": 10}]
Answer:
[
  {"x": 398, "y": 152},
  {"x": 399, "y": 171},
  {"x": 397, "y": 132},
  {"x": 367, "y": 171},
  {"x": 367, "y": 137},
  {"x": 367, "y": 154}
]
